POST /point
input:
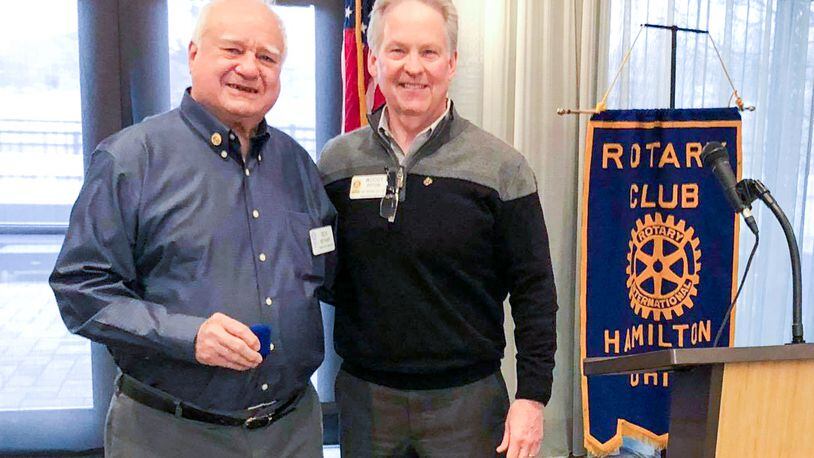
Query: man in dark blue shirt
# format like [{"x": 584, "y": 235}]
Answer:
[{"x": 195, "y": 252}]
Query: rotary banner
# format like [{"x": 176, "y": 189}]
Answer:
[{"x": 658, "y": 258}]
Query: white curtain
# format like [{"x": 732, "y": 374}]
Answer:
[
  {"x": 768, "y": 48},
  {"x": 519, "y": 60}
]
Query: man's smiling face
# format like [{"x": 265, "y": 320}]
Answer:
[
  {"x": 413, "y": 65},
  {"x": 235, "y": 64}
]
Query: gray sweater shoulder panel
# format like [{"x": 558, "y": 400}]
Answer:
[
  {"x": 478, "y": 156},
  {"x": 472, "y": 154},
  {"x": 353, "y": 153}
]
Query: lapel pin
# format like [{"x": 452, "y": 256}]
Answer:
[{"x": 216, "y": 139}]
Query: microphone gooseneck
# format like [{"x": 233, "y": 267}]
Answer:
[
  {"x": 740, "y": 197},
  {"x": 716, "y": 158}
]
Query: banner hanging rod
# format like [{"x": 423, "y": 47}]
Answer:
[{"x": 601, "y": 106}]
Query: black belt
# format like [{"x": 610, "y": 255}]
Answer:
[{"x": 165, "y": 403}]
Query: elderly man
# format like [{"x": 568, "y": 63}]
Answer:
[
  {"x": 194, "y": 253},
  {"x": 438, "y": 222}
]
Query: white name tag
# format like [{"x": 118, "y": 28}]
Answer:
[
  {"x": 368, "y": 186},
  {"x": 322, "y": 240}
]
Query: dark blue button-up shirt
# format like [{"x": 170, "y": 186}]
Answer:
[{"x": 172, "y": 226}]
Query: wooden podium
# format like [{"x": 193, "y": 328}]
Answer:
[{"x": 732, "y": 402}]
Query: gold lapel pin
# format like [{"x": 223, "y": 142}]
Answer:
[
  {"x": 427, "y": 181},
  {"x": 216, "y": 139}
]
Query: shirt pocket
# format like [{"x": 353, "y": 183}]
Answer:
[
  {"x": 299, "y": 270},
  {"x": 300, "y": 343}
]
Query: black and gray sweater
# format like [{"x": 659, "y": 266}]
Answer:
[{"x": 419, "y": 301}]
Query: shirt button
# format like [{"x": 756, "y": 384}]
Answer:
[
  {"x": 255, "y": 214},
  {"x": 224, "y": 154},
  {"x": 260, "y": 157},
  {"x": 246, "y": 171},
  {"x": 231, "y": 136},
  {"x": 262, "y": 257},
  {"x": 264, "y": 386},
  {"x": 271, "y": 347},
  {"x": 268, "y": 301}
]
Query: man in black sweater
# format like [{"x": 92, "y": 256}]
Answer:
[{"x": 438, "y": 222}]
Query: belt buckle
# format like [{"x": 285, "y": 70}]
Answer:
[{"x": 257, "y": 422}]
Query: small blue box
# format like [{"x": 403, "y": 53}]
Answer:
[{"x": 263, "y": 333}]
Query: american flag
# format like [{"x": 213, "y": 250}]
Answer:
[{"x": 361, "y": 94}]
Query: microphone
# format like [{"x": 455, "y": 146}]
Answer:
[{"x": 715, "y": 156}]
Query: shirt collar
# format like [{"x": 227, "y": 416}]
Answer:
[
  {"x": 384, "y": 126},
  {"x": 218, "y": 136}
]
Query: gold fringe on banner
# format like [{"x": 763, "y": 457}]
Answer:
[{"x": 623, "y": 428}]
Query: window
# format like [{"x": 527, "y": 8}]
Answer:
[
  {"x": 45, "y": 372},
  {"x": 41, "y": 173}
]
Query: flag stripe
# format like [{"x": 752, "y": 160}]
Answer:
[
  {"x": 350, "y": 83},
  {"x": 360, "y": 92},
  {"x": 360, "y": 69}
]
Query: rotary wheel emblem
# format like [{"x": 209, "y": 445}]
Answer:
[{"x": 663, "y": 265}]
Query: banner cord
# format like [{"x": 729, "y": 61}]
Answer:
[
  {"x": 602, "y": 105},
  {"x": 738, "y": 99}
]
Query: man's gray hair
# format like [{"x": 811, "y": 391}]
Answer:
[
  {"x": 445, "y": 7},
  {"x": 203, "y": 17}
]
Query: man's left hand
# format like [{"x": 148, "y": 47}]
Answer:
[{"x": 523, "y": 430}]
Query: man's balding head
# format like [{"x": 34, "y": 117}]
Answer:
[
  {"x": 213, "y": 6},
  {"x": 235, "y": 59}
]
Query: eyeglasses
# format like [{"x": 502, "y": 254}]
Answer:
[{"x": 390, "y": 202}]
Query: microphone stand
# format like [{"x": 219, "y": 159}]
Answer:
[{"x": 750, "y": 190}]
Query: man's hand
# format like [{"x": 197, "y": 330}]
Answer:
[
  {"x": 226, "y": 342},
  {"x": 524, "y": 429}
]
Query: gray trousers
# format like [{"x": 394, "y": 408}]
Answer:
[
  {"x": 377, "y": 421},
  {"x": 135, "y": 430}
]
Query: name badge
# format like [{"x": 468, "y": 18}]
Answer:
[
  {"x": 368, "y": 186},
  {"x": 322, "y": 240}
]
